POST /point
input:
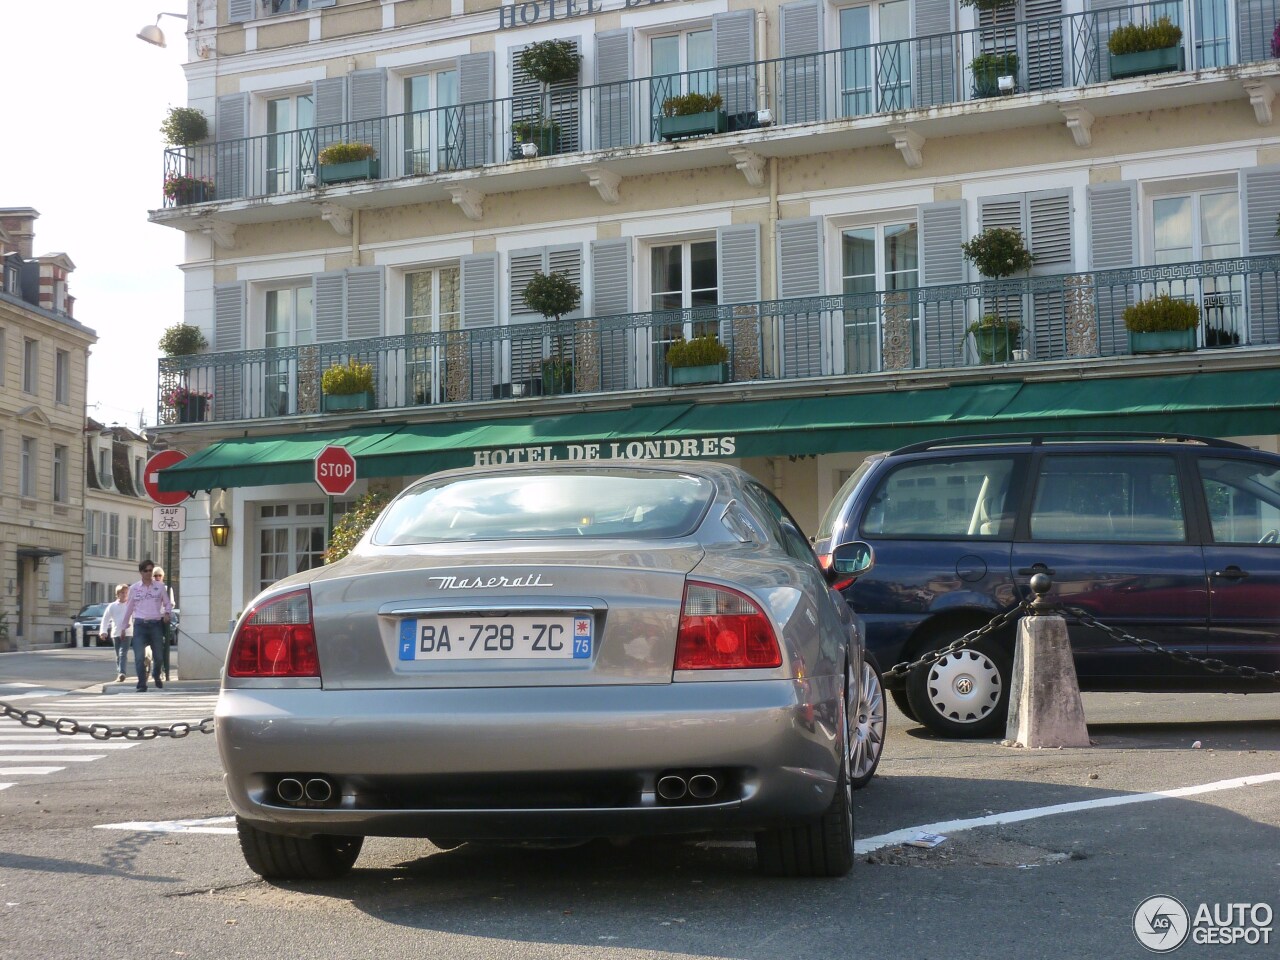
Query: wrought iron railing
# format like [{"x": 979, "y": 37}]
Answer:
[
  {"x": 1047, "y": 53},
  {"x": 1059, "y": 317}
]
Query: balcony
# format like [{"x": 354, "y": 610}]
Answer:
[
  {"x": 818, "y": 344},
  {"x": 852, "y": 95}
]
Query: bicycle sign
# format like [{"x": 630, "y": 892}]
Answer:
[{"x": 169, "y": 519}]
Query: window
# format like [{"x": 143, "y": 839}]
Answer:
[
  {"x": 132, "y": 542},
  {"x": 91, "y": 532},
  {"x": 1211, "y": 30},
  {"x": 289, "y": 322},
  {"x": 62, "y": 376},
  {"x": 1244, "y": 501},
  {"x": 1108, "y": 499},
  {"x": 4, "y": 359},
  {"x": 681, "y": 62},
  {"x": 875, "y": 69},
  {"x": 60, "y": 474},
  {"x": 873, "y": 258},
  {"x": 57, "y": 573},
  {"x": 291, "y": 141},
  {"x": 138, "y": 486},
  {"x": 431, "y": 305},
  {"x": 944, "y": 499},
  {"x": 1203, "y": 225},
  {"x": 291, "y": 538},
  {"x": 27, "y": 467},
  {"x": 106, "y": 479},
  {"x": 113, "y": 535},
  {"x": 429, "y": 121},
  {"x": 30, "y": 365}
]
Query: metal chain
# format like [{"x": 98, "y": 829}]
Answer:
[
  {"x": 101, "y": 731},
  {"x": 995, "y": 623},
  {"x": 1209, "y": 663}
]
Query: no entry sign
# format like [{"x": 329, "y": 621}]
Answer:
[
  {"x": 151, "y": 478},
  {"x": 335, "y": 470}
]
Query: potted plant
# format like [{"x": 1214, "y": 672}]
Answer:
[
  {"x": 700, "y": 360},
  {"x": 988, "y": 68},
  {"x": 184, "y": 126},
  {"x": 692, "y": 114},
  {"x": 348, "y": 387},
  {"x": 190, "y": 405},
  {"x": 1141, "y": 48},
  {"x": 1161, "y": 323},
  {"x": 552, "y": 295},
  {"x": 541, "y": 133},
  {"x": 340, "y": 162},
  {"x": 548, "y": 62},
  {"x": 998, "y": 252},
  {"x": 182, "y": 340},
  {"x": 986, "y": 4},
  {"x": 182, "y": 189},
  {"x": 995, "y": 337}
]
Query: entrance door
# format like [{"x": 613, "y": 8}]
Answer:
[
  {"x": 681, "y": 63},
  {"x": 683, "y": 277},
  {"x": 1113, "y": 533},
  {"x": 1203, "y": 225},
  {"x": 290, "y": 322},
  {"x": 875, "y": 69},
  {"x": 432, "y": 122},
  {"x": 291, "y": 142}
]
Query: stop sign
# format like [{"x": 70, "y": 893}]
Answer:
[
  {"x": 151, "y": 478},
  {"x": 335, "y": 470}
]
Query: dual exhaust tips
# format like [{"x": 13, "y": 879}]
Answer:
[
  {"x": 315, "y": 790},
  {"x": 700, "y": 786}
]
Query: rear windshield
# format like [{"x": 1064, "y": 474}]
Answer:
[
  {"x": 827, "y": 526},
  {"x": 526, "y": 506}
]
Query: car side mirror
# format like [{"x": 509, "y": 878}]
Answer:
[{"x": 853, "y": 559}]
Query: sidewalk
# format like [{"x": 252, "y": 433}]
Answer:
[{"x": 189, "y": 686}]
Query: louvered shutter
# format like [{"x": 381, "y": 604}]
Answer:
[
  {"x": 935, "y": 60},
  {"x": 364, "y": 322},
  {"x": 479, "y": 295},
  {"x": 228, "y": 334},
  {"x": 1044, "y": 67},
  {"x": 614, "y": 113},
  {"x": 1257, "y": 23},
  {"x": 1260, "y": 200},
  {"x": 521, "y": 266},
  {"x": 239, "y": 11},
  {"x": 474, "y": 143},
  {"x": 801, "y": 72},
  {"x": 1113, "y": 245},
  {"x": 942, "y": 263},
  {"x": 733, "y": 36},
  {"x": 610, "y": 297},
  {"x": 738, "y": 255},
  {"x": 329, "y": 302},
  {"x": 1049, "y": 237},
  {"x": 799, "y": 265},
  {"x": 367, "y": 112},
  {"x": 231, "y": 126},
  {"x": 330, "y": 99}
]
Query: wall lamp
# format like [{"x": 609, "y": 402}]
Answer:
[
  {"x": 152, "y": 32},
  {"x": 219, "y": 530}
]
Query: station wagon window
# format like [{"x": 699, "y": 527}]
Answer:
[
  {"x": 1108, "y": 499},
  {"x": 1243, "y": 497},
  {"x": 944, "y": 500}
]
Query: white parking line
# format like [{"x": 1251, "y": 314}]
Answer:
[
  {"x": 45, "y": 744},
  {"x": 28, "y": 771},
  {"x": 948, "y": 827},
  {"x": 173, "y": 826},
  {"x": 5, "y": 786},
  {"x": 92, "y": 756}
]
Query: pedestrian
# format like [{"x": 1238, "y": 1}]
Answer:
[
  {"x": 114, "y": 630},
  {"x": 158, "y": 575},
  {"x": 149, "y": 610}
]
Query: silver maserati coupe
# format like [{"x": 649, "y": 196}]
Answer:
[{"x": 553, "y": 652}]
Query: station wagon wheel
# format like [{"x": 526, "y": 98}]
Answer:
[
  {"x": 867, "y": 722},
  {"x": 966, "y": 693},
  {"x": 276, "y": 857}
]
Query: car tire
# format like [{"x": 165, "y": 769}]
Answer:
[
  {"x": 273, "y": 856},
  {"x": 816, "y": 848},
  {"x": 966, "y": 693},
  {"x": 903, "y": 703},
  {"x": 868, "y": 723}
]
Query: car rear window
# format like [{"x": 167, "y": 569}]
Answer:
[{"x": 647, "y": 505}]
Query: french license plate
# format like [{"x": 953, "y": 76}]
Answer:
[{"x": 465, "y": 637}]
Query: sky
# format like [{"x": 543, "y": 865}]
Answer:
[{"x": 80, "y": 142}]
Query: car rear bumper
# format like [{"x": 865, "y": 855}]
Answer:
[{"x": 517, "y": 763}]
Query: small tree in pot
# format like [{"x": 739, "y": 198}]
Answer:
[
  {"x": 548, "y": 62},
  {"x": 182, "y": 340},
  {"x": 997, "y": 252},
  {"x": 553, "y": 295},
  {"x": 184, "y": 126}
]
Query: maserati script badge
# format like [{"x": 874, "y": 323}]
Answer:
[{"x": 483, "y": 583}]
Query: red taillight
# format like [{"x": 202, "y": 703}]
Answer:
[
  {"x": 276, "y": 639},
  {"x": 721, "y": 629}
]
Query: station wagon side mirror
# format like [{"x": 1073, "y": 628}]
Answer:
[{"x": 853, "y": 559}]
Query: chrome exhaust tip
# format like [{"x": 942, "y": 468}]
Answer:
[
  {"x": 319, "y": 790},
  {"x": 672, "y": 787},
  {"x": 703, "y": 786},
  {"x": 289, "y": 790}
]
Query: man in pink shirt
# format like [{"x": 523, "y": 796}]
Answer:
[{"x": 150, "y": 608}]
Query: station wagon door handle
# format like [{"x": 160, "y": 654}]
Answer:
[
  {"x": 1231, "y": 573},
  {"x": 1034, "y": 569}
]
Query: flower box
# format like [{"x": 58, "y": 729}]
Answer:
[
  {"x": 366, "y": 169},
  {"x": 693, "y": 124},
  {"x": 342, "y": 402},
  {"x": 1138, "y": 64},
  {"x": 192, "y": 409},
  {"x": 1162, "y": 341},
  {"x": 685, "y": 376},
  {"x": 995, "y": 344}
]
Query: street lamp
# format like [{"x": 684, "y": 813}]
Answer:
[
  {"x": 219, "y": 530},
  {"x": 152, "y": 32}
]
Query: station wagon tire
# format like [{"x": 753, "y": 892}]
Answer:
[
  {"x": 965, "y": 694},
  {"x": 900, "y": 700},
  {"x": 868, "y": 721},
  {"x": 276, "y": 857}
]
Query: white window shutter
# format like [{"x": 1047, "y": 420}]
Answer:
[
  {"x": 934, "y": 82},
  {"x": 367, "y": 110},
  {"x": 942, "y": 263},
  {"x": 231, "y": 128},
  {"x": 329, "y": 302},
  {"x": 479, "y": 294},
  {"x": 1259, "y": 202},
  {"x": 613, "y": 96},
  {"x": 738, "y": 254},
  {"x": 364, "y": 303},
  {"x": 475, "y": 94},
  {"x": 733, "y": 37},
  {"x": 803, "y": 66},
  {"x": 521, "y": 266},
  {"x": 330, "y": 98},
  {"x": 228, "y": 335},
  {"x": 238, "y": 11},
  {"x": 800, "y": 275},
  {"x": 1113, "y": 245}
]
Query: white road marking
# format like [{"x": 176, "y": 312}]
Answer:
[
  {"x": 948, "y": 827},
  {"x": 28, "y": 771},
  {"x": 39, "y": 745},
  {"x": 173, "y": 826},
  {"x": 5, "y": 786},
  {"x": 93, "y": 756}
]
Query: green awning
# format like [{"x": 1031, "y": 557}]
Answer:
[{"x": 1223, "y": 404}]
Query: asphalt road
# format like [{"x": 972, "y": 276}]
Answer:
[{"x": 1062, "y": 885}]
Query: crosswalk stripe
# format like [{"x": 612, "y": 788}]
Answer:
[
  {"x": 15, "y": 771},
  {"x": 5, "y": 786},
  {"x": 41, "y": 746},
  {"x": 93, "y": 756},
  {"x": 208, "y": 825}
]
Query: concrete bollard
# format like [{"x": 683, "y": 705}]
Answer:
[{"x": 1044, "y": 698}]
